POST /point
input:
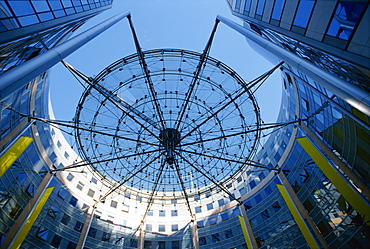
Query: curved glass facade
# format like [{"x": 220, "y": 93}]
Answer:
[{"x": 296, "y": 200}]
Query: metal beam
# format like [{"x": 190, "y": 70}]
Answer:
[
  {"x": 341, "y": 165},
  {"x": 247, "y": 229},
  {"x": 86, "y": 228},
  {"x": 293, "y": 196},
  {"x": 350, "y": 93},
  {"x": 194, "y": 80},
  {"x": 12, "y": 235},
  {"x": 21, "y": 75}
]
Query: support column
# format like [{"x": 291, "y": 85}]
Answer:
[
  {"x": 140, "y": 242},
  {"x": 247, "y": 228},
  {"x": 18, "y": 232},
  {"x": 303, "y": 212},
  {"x": 86, "y": 228},
  {"x": 194, "y": 233},
  {"x": 18, "y": 77},
  {"x": 353, "y": 95},
  {"x": 298, "y": 217},
  {"x": 343, "y": 167},
  {"x": 354, "y": 198}
]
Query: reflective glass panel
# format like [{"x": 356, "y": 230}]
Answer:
[
  {"x": 278, "y": 9},
  {"x": 303, "y": 13}
]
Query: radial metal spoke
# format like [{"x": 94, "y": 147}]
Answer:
[
  {"x": 82, "y": 163},
  {"x": 115, "y": 100},
  {"x": 151, "y": 198},
  {"x": 183, "y": 187},
  {"x": 243, "y": 132},
  {"x": 261, "y": 78},
  {"x": 114, "y": 188},
  {"x": 146, "y": 71},
  {"x": 209, "y": 178},
  {"x": 65, "y": 123},
  {"x": 250, "y": 163},
  {"x": 199, "y": 68}
]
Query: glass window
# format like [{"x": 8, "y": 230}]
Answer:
[
  {"x": 173, "y": 201},
  {"x": 247, "y": 6},
  {"x": 202, "y": 241},
  {"x": 148, "y": 227},
  {"x": 43, "y": 18},
  {"x": 162, "y": 213},
  {"x": 93, "y": 180},
  {"x": 59, "y": 13},
  {"x": 65, "y": 220},
  {"x": 224, "y": 216},
  {"x": 161, "y": 228},
  {"x": 127, "y": 195},
  {"x": 228, "y": 233},
  {"x": 173, "y": 212},
  {"x": 268, "y": 190},
  {"x": 221, "y": 202},
  {"x": 66, "y": 3},
  {"x": 303, "y": 13},
  {"x": 200, "y": 223},
  {"x": 53, "y": 211},
  {"x": 215, "y": 237},
  {"x": 42, "y": 233},
  {"x": 91, "y": 193},
  {"x": 237, "y": 4},
  {"x": 150, "y": 213},
  {"x": 209, "y": 206},
  {"x": 71, "y": 245},
  {"x": 80, "y": 185},
  {"x": 28, "y": 20},
  {"x": 92, "y": 232},
  {"x": 105, "y": 237},
  {"x": 113, "y": 204},
  {"x": 40, "y": 6},
  {"x": 278, "y": 9},
  {"x": 198, "y": 209},
  {"x": 212, "y": 220},
  {"x": 242, "y": 191},
  {"x": 260, "y": 7},
  {"x": 174, "y": 227},
  {"x": 345, "y": 18},
  {"x": 55, "y": 5},
  {"x": 56, "y": 240},
  {"x": 21, "y": 7},
  {"x": 139, "y": 198},
  {"x": 62, "y": 193},
  {"x": 73, "y": 201},
  {"x": 258, "y": 198},
  {"x": 78, "y": 226},
  {"x": 175, "y": 244},
  {"x": 70, "y": 177}
]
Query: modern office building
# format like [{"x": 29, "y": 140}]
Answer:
[{"x": 168, "y": 151}]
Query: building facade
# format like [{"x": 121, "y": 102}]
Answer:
[{"x": 313, "y": 188}]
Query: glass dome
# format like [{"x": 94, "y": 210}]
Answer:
[{"x": 166, "y": 127}]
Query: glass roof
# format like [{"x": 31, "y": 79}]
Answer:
[{"x": 174, "y": 126}]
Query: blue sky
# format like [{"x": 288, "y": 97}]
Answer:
[{"x": 182, "y": 24}]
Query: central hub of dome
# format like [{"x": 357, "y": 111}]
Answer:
[{"x": 170, "y": 138}]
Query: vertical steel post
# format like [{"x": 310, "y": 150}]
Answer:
[{"x": 86, "y": 228}]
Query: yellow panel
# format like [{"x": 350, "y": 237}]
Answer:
[
  {"x": 17, "y": 242},
  {"x": 13, "y": 153},
  {"x": 245, "y": 232},
  {"x": 297, "y": 217},
  {"x": 350, "y": 194}
]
